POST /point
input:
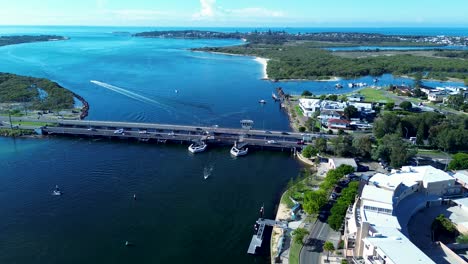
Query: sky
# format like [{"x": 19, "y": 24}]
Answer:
[{"x": 236, "y": 13}]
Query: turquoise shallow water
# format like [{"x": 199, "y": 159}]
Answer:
[{"x": 178, "y": 217}]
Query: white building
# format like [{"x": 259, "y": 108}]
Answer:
[
  {"x": 436, "y": 96},
  {"x": 336, "y": 162},
  {"x": 376, "y": 225},
  {"x": 356, "y": 98},
  {"x": 362, "y": 107},
  {"x": 309, "y": 106}
]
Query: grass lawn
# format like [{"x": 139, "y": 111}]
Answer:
[
  {"x": 29, "y": 123},
  {"x": 298, "y": 110},
  {"x": 375, "y": 95},
  {"x": 294, "y": 252}
]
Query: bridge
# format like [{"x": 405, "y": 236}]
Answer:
[{"x": 152, "y": 132}]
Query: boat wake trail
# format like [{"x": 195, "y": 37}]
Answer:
[{"x": 130, "y": 94}]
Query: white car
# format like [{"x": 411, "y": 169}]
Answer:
[
  {"x": 119, "y": 131},
  {"x": 271, "y": 142},
  {"x": 142, "y": 132}
]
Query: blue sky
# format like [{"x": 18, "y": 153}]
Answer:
[{"x": 231, "y": 13}]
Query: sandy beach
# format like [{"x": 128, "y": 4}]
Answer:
[{"x": 264, "y": 63}]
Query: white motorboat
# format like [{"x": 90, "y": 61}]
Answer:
[
  {"x": 57, "y": 191},
  {"x": 262, "y": 101},
  {"x": 238, "y": 150},
  {"x": 197, "y": 147}
]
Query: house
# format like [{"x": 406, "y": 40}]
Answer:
[
  {"x": 336, "y": 162},
  {"x": 427, "y": 90},
  {"x": 436, "y": 96},
  {"x": 329, "y": 114},
  {"x": 309, "y": 106},
  {"x": 362, "y": 107},
  {"x": 356, "y": 98},
  {"x": 338, "y": 124}
]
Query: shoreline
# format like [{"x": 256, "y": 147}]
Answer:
[{"x": 264, "y": 63}]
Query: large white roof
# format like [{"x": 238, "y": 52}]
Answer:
[
  {"x": 373, "y": 193},
  {"x": 397, "y": 247},
  {"x": 380, "y": 220},
  {"x": 462, "y": 176}
]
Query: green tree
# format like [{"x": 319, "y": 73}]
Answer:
[
  {"x": 350, "y": 112},
  {"x": 456, "y": 101},
  {"x": 387, "y": 124},
  {"x": 321, "y": 145},
  {"x": 299, "y": 235},
  {"x": 363, "y": 146},
  {"x": 459, "y": 162},
  {"x": 343, "y": 145},
  {"x": 329, "y": 247},
  {"x": 466, "y": 81},
  {"x": 302, "y": 129},
  {"x": 407, "y": 106},
  {"x": 314, "y": 200},
  {"x": 418, "y": 79},
  {"x": 306, "y": 93},
  {"x": 394, "y": 149},
  {"x": 323, "y": 97},
  {"x": 420, "y": 134},
  {"x": 309, "y": 151},
  {"x": 389, "y": 106},
  {"x": 332, "y": 97}
]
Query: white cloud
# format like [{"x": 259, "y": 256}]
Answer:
[{"x": 210, "y": 11}]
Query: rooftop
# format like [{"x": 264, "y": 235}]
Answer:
[
  {"x": 341, "y": 161},
  {"x": 396, "y": 247},
  {"x": 376, "y": 194}
]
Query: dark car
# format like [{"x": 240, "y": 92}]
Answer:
[
  {"x": 362, "y": 168},
  {"x": 284, "y": 133},
  {"x": 267, "y": 132},
  {"x": 301, "y": 142}
]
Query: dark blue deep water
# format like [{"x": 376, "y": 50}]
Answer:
[{"x": 178, "y": 217}]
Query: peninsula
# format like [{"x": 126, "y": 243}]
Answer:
[
  {"x": 11, "y": 40},
  {"x": 304, "y": 56},
  {"x": 29, "y": 97}
]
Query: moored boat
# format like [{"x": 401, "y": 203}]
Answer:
[
  {"x": 239, "y": 150},
  {"x": 197, "y": 147}
]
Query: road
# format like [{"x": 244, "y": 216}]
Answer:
[{"x": 310, "y": 252}]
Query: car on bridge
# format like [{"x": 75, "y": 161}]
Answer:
[
  {"x": 271, "y": 142},
  {"x": 119, "y": 131}
]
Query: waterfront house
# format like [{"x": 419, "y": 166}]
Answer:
[
  {"x": 309, "y": 106},
  {"x": 338, "y": 124},
  {"x": 362, "y": 107},
  {"x": 436, "y": 97},
  {"x": 325, "y": 115}
]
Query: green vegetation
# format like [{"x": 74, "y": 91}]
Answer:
[
  {"x": 392, "y": 148},
  {"x": 447, "y": 133},
  {"x": 306, "y": 93},
  {"x": 299, "y": 235},
  {"x": 309, "y": 151},
  {"x": 444, "y": 230},
  {"x": 350, "y": 112},
  {"x": 374, "y": 95},
  {"x": 7, "y": 132},
  {"x": 301, "y": 61},
  {"x": 30, "y": 123},
  {"x": 405, "y": 105},
  {"x": 462, "y": 239},
  {"x": 11, "y": 40},
  {"x": 329, "y": 247},
  {"x": 22, "y": 89},
  {"x": 298, "y": 110},
  {"x": 459, "y": 162},
  {"x": 338, "y": 211},
  {"x": 321, "y": 145},
  {"x": 294, "y": 252},
  {"x": 452, "y": 54}
]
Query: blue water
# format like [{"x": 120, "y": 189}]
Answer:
[{"x": 178, "y": 216}]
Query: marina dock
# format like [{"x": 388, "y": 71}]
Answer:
[{"x": 257, "y": 238}]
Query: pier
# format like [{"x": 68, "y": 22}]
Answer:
[
  {"x": 257, "y": 238},
  {"x": 162, "y": 133}
]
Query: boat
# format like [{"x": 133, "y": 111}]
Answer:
[
  {"x": 239, "y": 150},
  {"x": 350, "y": 85},
  {"x": 376, "y": 80},
  {"x": 57, "y": 191},
  {"x": 176, "y": 91},
  {"x": 274, "y": 97},
  {"x": 197, "y": 147},
  {"x": 207, "y": 172},
  {"x": 338, "y": 86},
  {"x": 262, "y": 101}
]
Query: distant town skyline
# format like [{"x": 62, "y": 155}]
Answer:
[{"x": 239, "y": 13}]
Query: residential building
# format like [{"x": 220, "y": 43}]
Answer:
[
  {"x": 309, "y": 106},
  {"x": 325, "y": 115},
  {"x": 436, "y": 96},
  {"x": 338, "y": 124},
  {"x": 362, "y": 107},
  {"x": 336, "y": 162}
]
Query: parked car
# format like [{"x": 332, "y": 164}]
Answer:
[
  {"x": 301, "y": 142},
  {"x": 362, "y": 168},
  {"x": 119, "y": 131}
]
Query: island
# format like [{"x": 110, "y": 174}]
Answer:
[
  {"x": 11, "y": 40},
  {"x": 37, "y": 98}
]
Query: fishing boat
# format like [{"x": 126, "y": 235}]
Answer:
[
  {"x": 57, "y": 191},
  {"x": 262, "y": 101},
  {"x": 239, "y": 150},
  {"x": 197, "y": 147}
]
